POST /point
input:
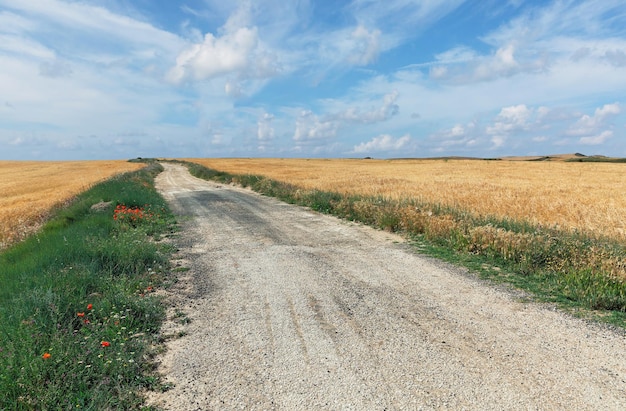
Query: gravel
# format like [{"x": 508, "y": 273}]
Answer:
[{"x": 283, "y": 308}]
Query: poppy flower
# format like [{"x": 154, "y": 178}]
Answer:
[
  {"x": 80, "y": 314},
  {"x": 89, "y": 306},
  {"x": 46, "y": 355},
  {"x": 105, "y": 344}
]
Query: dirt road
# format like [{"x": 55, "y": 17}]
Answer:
[{"x": 293, "y": 310}]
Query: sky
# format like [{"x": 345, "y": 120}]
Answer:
[{"x": 120, "y": 79}]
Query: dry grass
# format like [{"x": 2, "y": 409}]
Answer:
[
  {"x": 589, "y": 197},
  {"x": 30, "y": 189}
]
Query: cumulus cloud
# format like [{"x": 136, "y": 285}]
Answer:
[
  {"x": 539, "y": 40},
  {"x": 388, "y": 109},
  {"x": 463, "y": 65},
  {"x": 459, "y": 136},
  {"x": 382, "y": 143},
  {"x": 588, "y": 125},
  {"x": 510, "y": 119},
  {"x": 365, "y": 46},
  {"x": 235, "y": 51},
  {"x": 595, "y": 130},
  {"x": 215, "y": 56},
  {"x": 503, "y": 63},
  {"x": 310, "y": 127},
  {"x": 514, "y": 120},
  {"x": 265, "y": 131},
  {"x": 598, "y": 139}
]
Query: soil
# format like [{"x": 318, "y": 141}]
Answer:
[{"x": 284, "y": 308}]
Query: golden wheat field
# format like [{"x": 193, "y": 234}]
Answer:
[
  {"x": 588, "y": 197},
  {"x": 30, "y": 189}
]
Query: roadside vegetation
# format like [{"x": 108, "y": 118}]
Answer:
[
  {"x": 79, "y": 314},
  {"x": 30, "y": 189},
  {"x": 584, "y": 272}
]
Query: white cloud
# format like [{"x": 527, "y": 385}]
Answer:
[
  {"x": 388, "y": 109},
  {"x": 382, "y": 143},
  {"x": 458, "y": 137},
  {"x": 598, "y": 139},
  {"x": 510, "y": 119},
  {"x": 365, "y": 46},
  {"x": 72, "y": 66},
  {"x": 215, "y": 57},
  {"x": 470, "y": 67},
  {"x": 438, "y": 72},
  {"x": 55, "y": 68},
  {"x": 265, "y": 131},
  {"x": 616, "y": 57},
  {"x": 236, "y": 51},
  {"x": 589, "y": 125},
  {"x": 14, "y": 23},
  {"x": 309, "y": 127},
  {"x": 312, "y": 127},
  {"x": 233, "y": 88},
  {"x": 91, "y": 21},
  {"x": 537, "y": 41},
  {"x": 458, "y": 54},
  {"x": 416, "y": 16},
  {"x": 18, "y": 45}
]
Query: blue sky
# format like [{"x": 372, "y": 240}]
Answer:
[{"x": 311, "y": 78}]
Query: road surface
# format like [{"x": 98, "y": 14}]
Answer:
[{"x": 287, "y": 309}]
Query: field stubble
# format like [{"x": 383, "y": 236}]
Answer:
[{"x": 30, "y": 189}]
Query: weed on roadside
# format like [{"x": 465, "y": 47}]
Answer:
[{"x": 78, "y": 309}]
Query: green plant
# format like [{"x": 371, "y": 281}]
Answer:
[{"x": 78, "y": 313}]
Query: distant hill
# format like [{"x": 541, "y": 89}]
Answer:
[{"x": 575, "y": 157}]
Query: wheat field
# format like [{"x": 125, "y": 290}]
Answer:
[
  {"x": 30, "y": 189},
  {"x": 589, "y": 197}
]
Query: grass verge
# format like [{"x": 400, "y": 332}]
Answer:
[
  {"x": 583, "y": 273},
  {"x": 78, "y": 313}
]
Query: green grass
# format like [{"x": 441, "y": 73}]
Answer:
[
  {"x": 579, "y": 272},
  {"x": 85, "y": 279}
]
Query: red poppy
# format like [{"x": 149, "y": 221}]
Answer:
[
  {"x": 105, "y": 344},
  {"x": 89, "y": 306},
  {"x": 80, "y": 314},
  {"x": 46, "y": 355}
]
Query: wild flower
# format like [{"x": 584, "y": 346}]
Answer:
[
  {"x": 89, "y": 306},
  {"x": 105, "y": 344},
  {"x": 46, "y": 355},
  {"x": 131, "y": 215},
  {"x": 80, "y": 314}
]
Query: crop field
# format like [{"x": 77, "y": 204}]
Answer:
[
  {"x": 584, "y": 197},
  {"x": 30, "y": 189}
]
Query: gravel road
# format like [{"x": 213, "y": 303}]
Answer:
[{"x": 287, "y": 309}]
